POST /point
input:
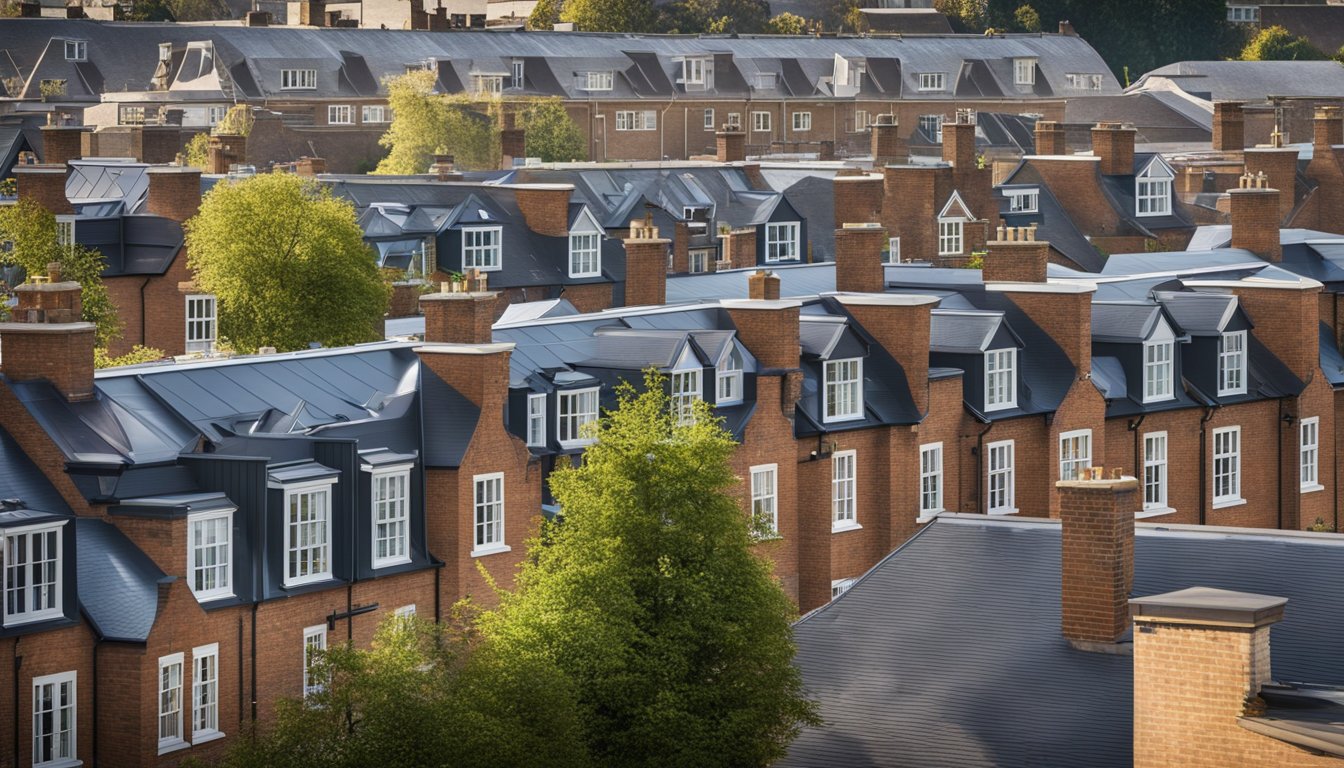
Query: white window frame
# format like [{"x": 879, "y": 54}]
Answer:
[
  {"x": 1001, "y": 478},
  {"x": 1156, "y": 476},
  {"x": 482, "y": 248},
  {"x": 49, "y": 591},
  {"x": 687, "y": 389},
  {"x": 951, "y": 236},
  {"x": 844, "y": 491},
  {"x": 1000, "y": 379},
  {"x": 298, "y": 79},
  {"x": 65, "y": 232},
  {"x": 398, "y": 514},
  {"x": 326, "y": 487},
  {"x": 69, "y": 713},
  {"x": 1309, "y": 454},
  {"x": 171, "y": 734},
  {"x": 930, "y": 481},
  {"x": 487, "y": 515},
  {"x": 760, "y": 122},
  {"x": 1075, "y": 453},
  {"x": 585, "y": 254},
  {"x": 934, "y": 121},
  {"x": 517, "y": 70},
  {"x": 198, "y": 555},
  {"x": 841, "y": 586},
  {"x": 1159, "y": 371},
  {"x": 490, "y": 84},
  {"x": 598, "y": 81},
  {"x": 1024, "y": 200},
  {"x": 214, "y": 114},
  {"x": 861, "y": 120},
  {"x": 314, "y": 639},
  {"x": 340, "y": 114},
  {"x": 570, "y": 420},
  {"x": 1232, "y": 363},
  {"x": 202, "y": 323},
  {"x": 1083, "y": 81},
  {"x": 728, "y": 378},
  {"x": 893, "y": 253},
  {"x": 536, "y": 420},
  {"x": 933, "y": 81},
  {"x": 1226, "y": 473},
  {"x": 709, "y": 120},
  {"x": 802, "y": 122},
  {"x": 374, "y": 113},
  {"x": 637, "y": 120},
  {"x": 1024, "y": 71},
  {"x": 76, "y": 50},
  {"x": 842, "y": 398},
  {"x": 1152, "y": 193},
  {"x": 699, "y": 261},
  {"x": 781, "y": 241},
  {"x": 696, "y": 70},
  {"x": 764, "y": 480},
  {"x": 205, "y": 694}
]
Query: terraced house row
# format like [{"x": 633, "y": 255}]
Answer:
[{"x": 634, "y": 98}]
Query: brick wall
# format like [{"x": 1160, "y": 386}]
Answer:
[
  {"x": 1050, "y": 138},
  {"x": 1097, "y": 557},
  {"x": 858, "y": 199},
  {"x": 1255, "y": 221},
  {"x": 32, "y": 656},
  {"x": 858, "y": 259},
  {"x": 1228, "y": 126},
  {"x": 1280, "y": 169},
  {"x": 1075, "y": 183},
  {"x": 1113, "y": 144},
  {"x": 459, "y": 318},
  {"x": 545, "y": 208},
  {"x": 646, "y": 270},
  {"x": 44, "y": 185}
]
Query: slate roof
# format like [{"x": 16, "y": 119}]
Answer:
[
  {"x": 1158, "y": 116},
  {"x": 1253, "y": 81},
  {"x": 970, "y": 669},
  {"x": 1053, "y": 225},
  {"x": 125, "y": 55},
  {"x": 21, "y": 479},
  {"x": 16, "y": 137},
  {"x": 118, "y": 583}
]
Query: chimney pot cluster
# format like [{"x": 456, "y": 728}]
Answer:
[
  {"x": 1254, "y": 180},
  {"x": 1025, "y": 234}
]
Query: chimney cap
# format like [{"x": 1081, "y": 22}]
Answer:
[{"x": 1207, "y": 605}]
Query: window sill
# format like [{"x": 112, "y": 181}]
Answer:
[
  {"x": 61, "y": 764},
  {"x": 841, "y": 419},
  {"x": 306, "y": 580},
  {"x": 172, "y": 746},
  {"x": 495, "y": 550},
  {"x": 1009, "y": 511},
  {"x": 846, "y": 527},
  {"x": 210, "y": 597},
  {"x": 392, "y": 561},
  {"x": 205, "y": 737},
  {"x": 566, "y": 445},
  {"x": 1313, "y": 488},
  {"x": 1225, "y": 503},
  {"x": 930, "y": 516},
  {"x": 1148, "y": 512}
]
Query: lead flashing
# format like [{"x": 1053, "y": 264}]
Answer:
[{"x": 444, "y": 348}]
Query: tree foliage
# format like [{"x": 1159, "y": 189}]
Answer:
[
  {"x": 551, "y": 133},
  {"x": 424, "y": 695},
  {"x": 610, "y": 15},
  {"x": 236, "y": 122},
  {"x": 197, "y": 151},
  {"x": 1026, "y": 19},
  {"x": 31, "y": 229},
  {"x": 649, "y": 596},
  {"x": 714, "y": 16},
  {"x": 425, "y": 123},
  {"x": 287, "y": 264},
  {"x": 1278, "y": 44},
  {"x": 787, "y": 24},
  {"x": 138, "y": 354},
  {"x": 544, "y": 15},
  {"x": 964, "y": 15}
]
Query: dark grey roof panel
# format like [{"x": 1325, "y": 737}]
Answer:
[
  {"x": 118, "y": 583},
  {"x": 304, "y": 472},
  {"x": 797, "y": 81},
  {"x": 356, "y": 72},
  {"x": 449, "y": 82},
  {"x": 962, "y": 332},
  {"x": 886, "y": 72},
  {"x": 1198, "y": 314},
  {"x": 1123, "y": 321},
  {"x": 21, "y": 479},
  {"x": 1109, "y": 376},
  {"x": 450, "y": 421}
]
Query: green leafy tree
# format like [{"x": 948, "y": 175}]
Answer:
[
  {"x": 197, "y": 152},
  {"x": 1278, "y": 44},
  {"x": 425, "y": 123},
  {"x": 551, "y": 133},
  {"x": 236, "y": 122},
  {"x": 424, "y": 695},
  {"x": 287, "y": 263},
  {"x": 544, "y": 15},
  {"x": 610, "y": 15},
  {"x": 138, "y": 354},
  {"x": 198, "y": 10},
  {"x": 964, "y": 15},
  {"x": 649, "y": 596},
  {"x": 716, "y": 16},
  {"x": 148, "y": 10},
  {"x": 787, "y": 24},
  {"x": 31, "y": 230},
  {"x": 1027, "y": 19}
]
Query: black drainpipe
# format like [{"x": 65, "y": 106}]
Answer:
[
  {"x": 254, "y": 660},
  {"x": 143, "y": 285},
  {"x": 240, "y": 670},
  {"x": 1209, "y": 410},
  {"x": 1138, "y": 462},
  {"x": 981, "y": 501},
  {"x": 1286, "y": 420}
]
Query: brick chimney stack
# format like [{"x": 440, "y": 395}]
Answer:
[
  {"x": 1229, "y": 128},
  {"x": 62, "y": 143},
  {"x": 545, "y": 207},
  {"x": 645, "y": 265},
  {"x": 763, "y": 284},
  {"x": 46, "y": 340},
  {"x": 858, "y": 198},
  {"x": 1201, "y": 658},
  {"x": 44, "y": 185},
  {"x": 858, "y": 258},
  {"x": 959, "y": 141},
  {"x": 1016, "y": 256},
  {"x": 459, "y": 318},
  {"x": 886, "y": 144},
  {"x": 1097, "y": 556},
  {"x": 1327, "y": 130},
  {"x": 512, "y": 142},
  {"x": 174, "y": 192},
  {"x": 731, "y": 144},
  {"x": 226, "y": 150},
  {"x": 1255, "y": 218},
  {"x": 1279, "y": 166},
  {"x": 901, "y": 323},
  {"x": 444, "y": 168},
  {"x": 1114, "y": 144},
  {"x": 1050, "y": 138}
]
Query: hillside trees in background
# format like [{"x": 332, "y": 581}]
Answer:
[
  {"x": 550, "y": 132},
  {"x": 1278, "y": 44},
  {"x": 787, "y": 24},
  {"x": 425, "y": 123},
  {"x": 287, "y": 264},
  {"x": 610, "y": 15}
]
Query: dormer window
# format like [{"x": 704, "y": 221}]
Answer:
[
  {"x": 487, "y": 83},
  {"x": 932, "y": 81},
  {"x": 843, "y": 390},
  {"x": 298, "y": 79},
  {"x": 536, "y": 420},
  {"x": 76, "y": 50},
  {"x": 697, "y": 71},
  {"x": 577, "y": 409},
  {"x": 763, "y": 81},
  {"x": 781, "y": 241},
  {"x": 596, "y": 81},
  {"x": 517, "y": 74},
  {"x": 950, "y": 231},
  {"x": 585, "y": 254},
  {"x": 1152, "y": 191},
  {"x": 1024, "y": 71},
  {"x": 480, "y": 248},
  {"x": 391, "y": 515},
  {"x": 308, "y": 532},
  {"x": 729, "y": 377},
  {"x": 1000, "y": 379},
  {"x": 1024, "y": 200},
  {"x": 33, "y": 573},
  {"x": 1157, "y": 371},
  {"x": 685, "y": 393},
  {"x": 210, "y": 554},
  {"x": 1232, "y": 363}
]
